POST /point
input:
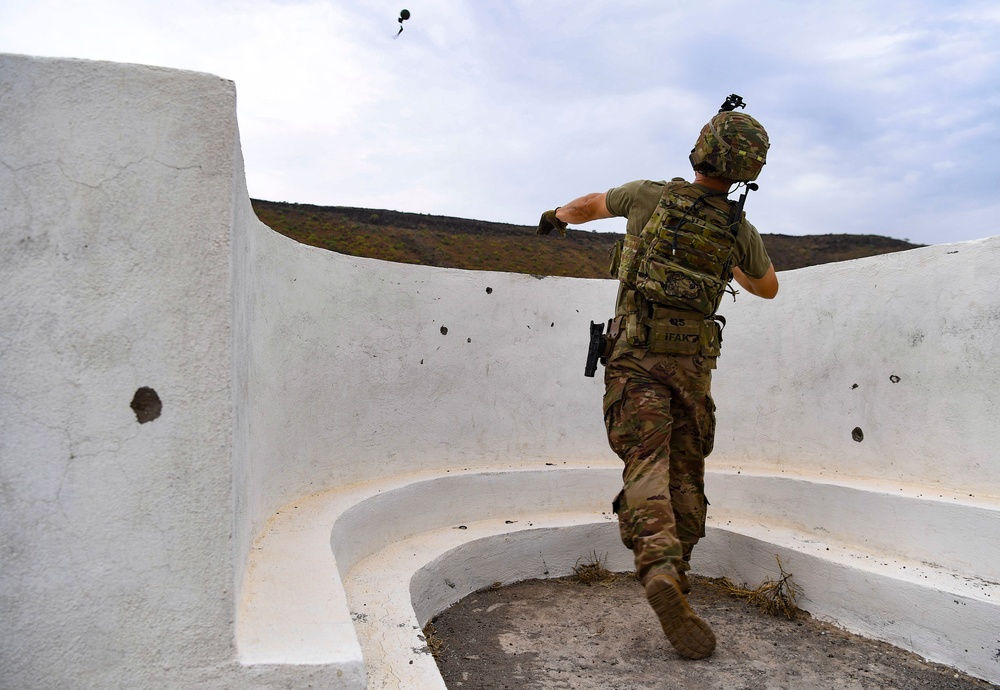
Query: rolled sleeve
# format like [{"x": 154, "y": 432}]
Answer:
[
  {"x": 619, "y": 200},
  {"x": 753, "y": 258}
]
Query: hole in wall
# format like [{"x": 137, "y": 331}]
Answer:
[
  {"x": 489, "y": 291},
  {"x": 146, "y": 405},
  {"x": 894, "y": 378},
  {"x": 444, "y": 330},
  {"x": 857, "y": 434}
]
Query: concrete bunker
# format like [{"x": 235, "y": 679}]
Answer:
[{"x": 290, "y": 445}]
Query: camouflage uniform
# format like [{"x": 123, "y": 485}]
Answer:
[{"x": 660, "y": 417}]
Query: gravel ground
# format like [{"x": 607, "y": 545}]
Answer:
[{"x": 542, "y": 634}]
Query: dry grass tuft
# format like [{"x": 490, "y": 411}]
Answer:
[
  {"x": 593, "y": 572},
  {"x": 773, "y": 597},
  {"x": 435, "y": 645}
]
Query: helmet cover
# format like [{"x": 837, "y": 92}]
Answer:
[{"x": 732, "y": 145}]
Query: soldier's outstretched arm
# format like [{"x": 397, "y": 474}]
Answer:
[
  {"x": 587, "y": 208},
  {"x": 766, "y": 287}
]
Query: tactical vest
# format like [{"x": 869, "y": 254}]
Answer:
[{"x": 675, "y": 272}]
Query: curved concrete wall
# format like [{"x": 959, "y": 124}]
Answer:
[
  {"x": 902, "y": 347},
  {"x": 353, "y": 377},
  {"x": 131, "y": 258},
  {"x": 363, "y": 369}
]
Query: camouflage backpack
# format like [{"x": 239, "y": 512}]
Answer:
[{"x": 683, "y": 257}]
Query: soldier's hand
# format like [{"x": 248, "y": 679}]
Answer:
[{"x": 549, "y": 221}]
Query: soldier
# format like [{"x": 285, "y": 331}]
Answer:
[{"x": 684, "y": 242}]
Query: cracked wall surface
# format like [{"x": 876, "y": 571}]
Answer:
[{"x": 115, "y": 184}]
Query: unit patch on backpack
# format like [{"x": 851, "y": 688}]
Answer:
[{"x": 680, "y": 286}]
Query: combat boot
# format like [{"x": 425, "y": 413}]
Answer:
[{"x": 691, "y": 636}]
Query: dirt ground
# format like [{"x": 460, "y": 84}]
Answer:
[{"x": 543, "y": 634}]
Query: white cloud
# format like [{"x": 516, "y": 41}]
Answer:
[{"x": 881, "y": 115}]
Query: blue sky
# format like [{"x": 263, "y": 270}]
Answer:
[{"x": 882, "y": 116}]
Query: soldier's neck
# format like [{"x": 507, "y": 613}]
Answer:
[{"x": 719, "y": 184}]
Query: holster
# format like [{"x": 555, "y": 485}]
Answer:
[
  {"x": 611, "y": 337},
  {"x": 601, "y": 344}
]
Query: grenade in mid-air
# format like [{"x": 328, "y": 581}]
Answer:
[{"x": 403, "y": 16}]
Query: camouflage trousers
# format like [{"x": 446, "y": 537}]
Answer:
[{"x": 660, "y": 418}]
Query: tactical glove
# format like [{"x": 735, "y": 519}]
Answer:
[{"x": 549, "y": 221}]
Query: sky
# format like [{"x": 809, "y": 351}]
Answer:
[{"x": 883, "y": 116}]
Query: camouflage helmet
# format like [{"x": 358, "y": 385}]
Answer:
[{"x": 732, "y": 145}]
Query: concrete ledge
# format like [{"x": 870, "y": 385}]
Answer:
[
  {"x": 294, "y": 607},
  {"x": 384, "y": 513},
  {"x": 944, "y": 529},
  {"x": 395, "y": 592},
  {"x": 943, "y": 615},
  {"x": 350, "y": 577}
]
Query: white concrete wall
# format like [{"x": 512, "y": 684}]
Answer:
[
  {"x": 903, "y": 346},
  {"x": 352, "y": 377},
  {"x": 116, "y": 212},
  {"x": 115, "y": 189}
]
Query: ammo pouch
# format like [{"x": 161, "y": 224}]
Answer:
[
  {"x": 683, "y": 333},
  {"x": 663, "y": 330}
]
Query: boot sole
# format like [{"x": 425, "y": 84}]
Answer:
[{"x": 687, "y": 633}]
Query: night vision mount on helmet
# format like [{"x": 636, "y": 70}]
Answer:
[{"x": 731, "y": 145}]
